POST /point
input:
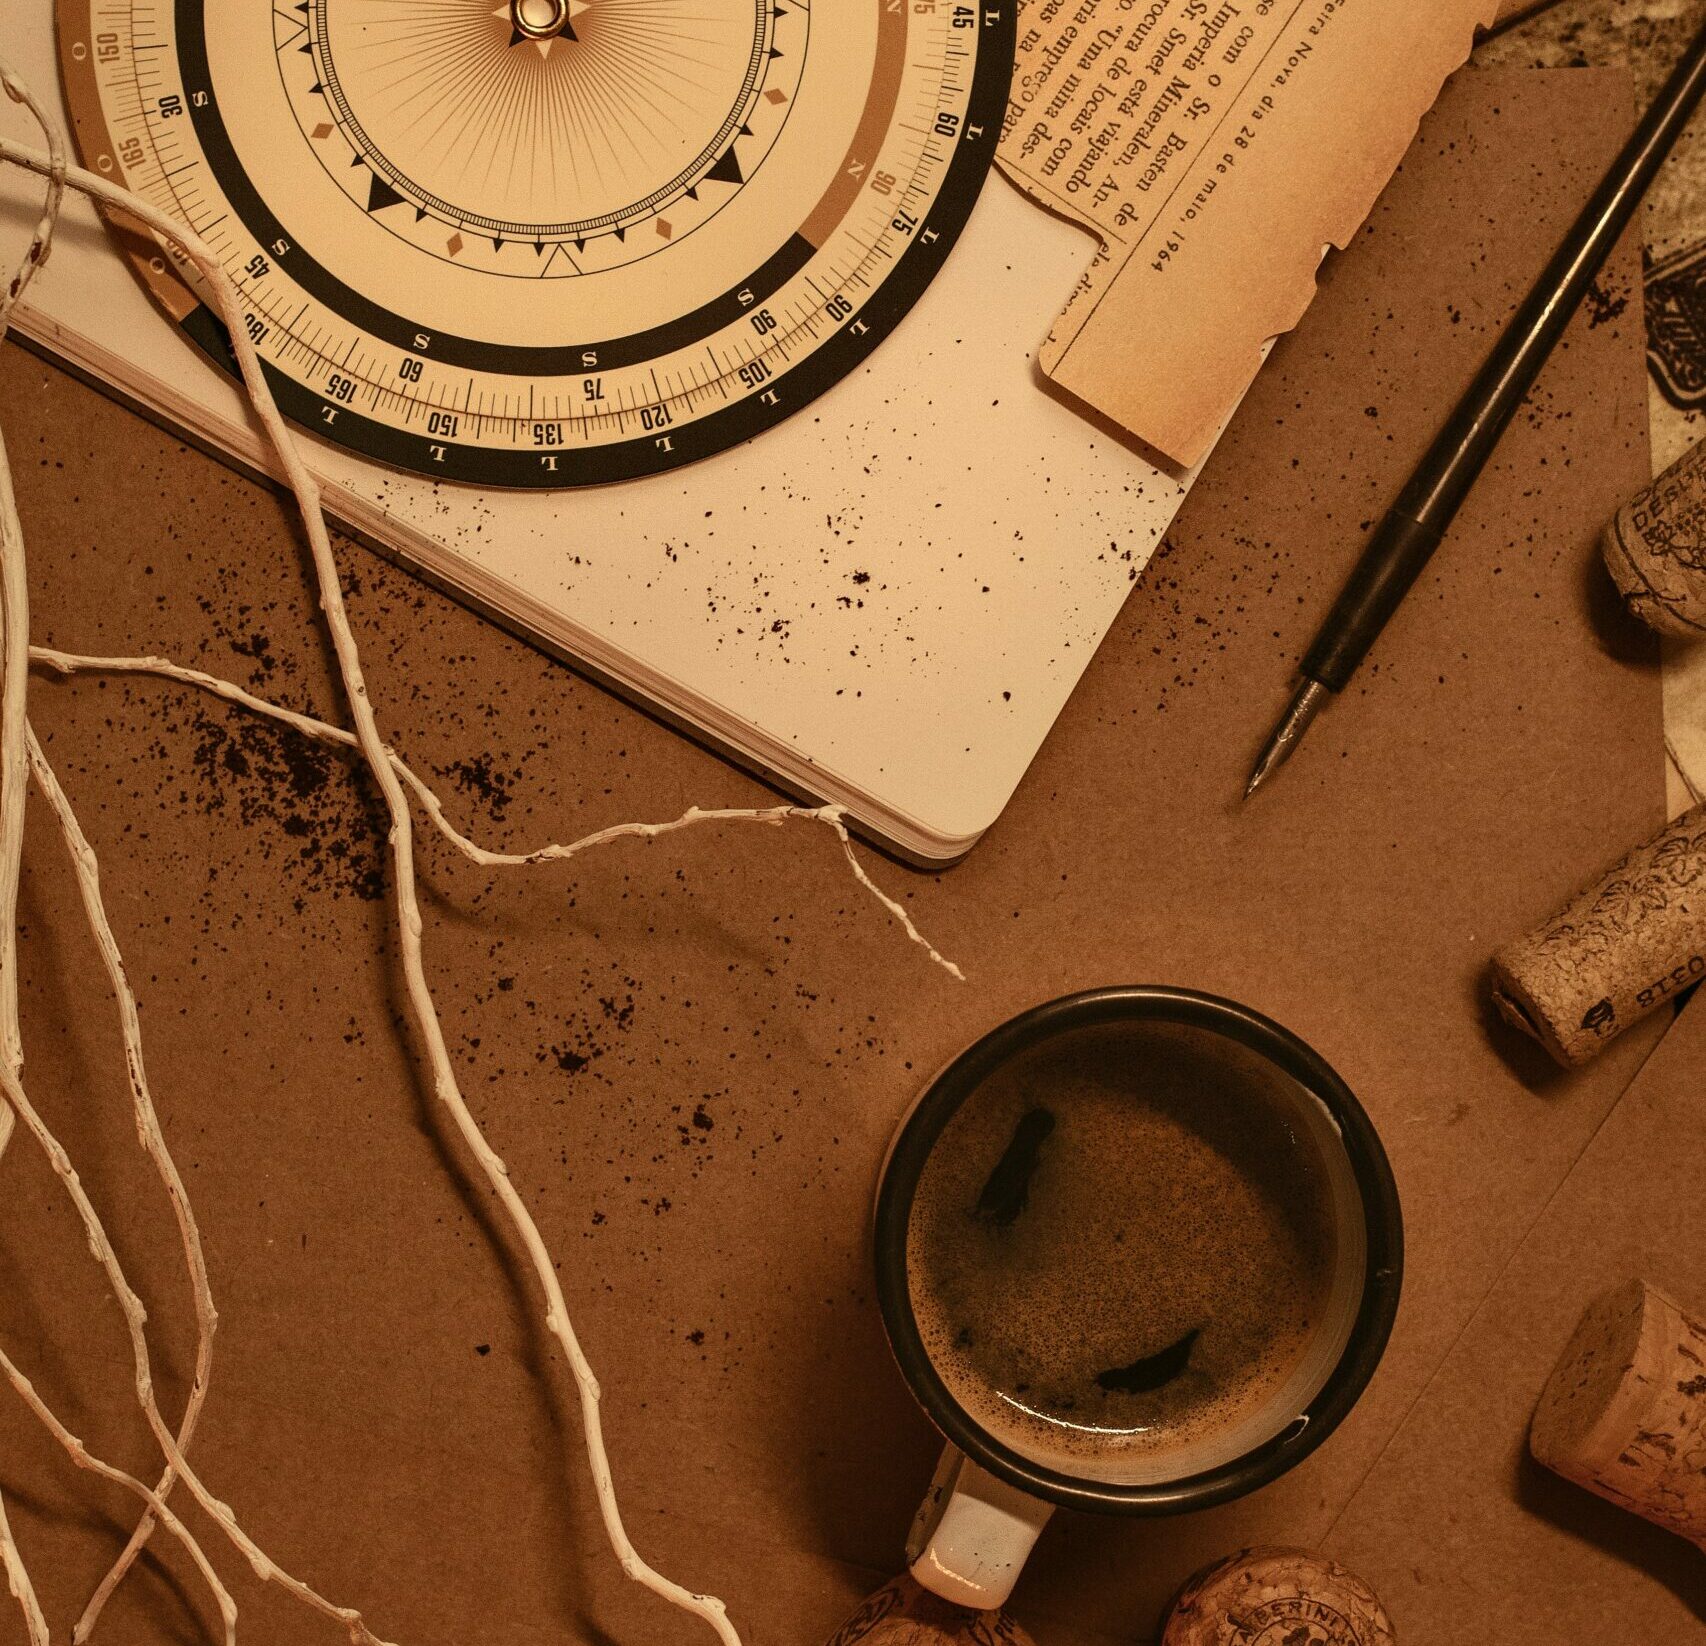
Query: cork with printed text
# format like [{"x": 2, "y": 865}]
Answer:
[{"x": 1626, "y": 945}]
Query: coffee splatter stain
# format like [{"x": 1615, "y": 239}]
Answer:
[
  {"x": 1603, "y": 306},
  {"x": 308, "y": 810},
  {"x": 480, "y": 778}
]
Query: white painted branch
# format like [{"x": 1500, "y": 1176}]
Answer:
[
  {"x": 13, "y": 774},
  {"x": 73, "y": 663},
  {"x": 392, "y": 778},
  {"x": 153, "y": 1142},
  {"x": 18, "y": 1582},
  {"x": 11, "y": 545},
  {"x": 85, "y": 1459},
  {"x": 15, "y": 629},
  {"x": 557, "y": 1322}
]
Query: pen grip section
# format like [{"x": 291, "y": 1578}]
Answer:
[{"x": 1391, "y": 562}]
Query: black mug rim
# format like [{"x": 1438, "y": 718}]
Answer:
[{"x": 1383, "y": 1227}]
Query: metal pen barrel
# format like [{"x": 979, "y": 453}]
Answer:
[{"x": 1411, "y": 530}]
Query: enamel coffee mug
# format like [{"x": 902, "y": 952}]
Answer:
[{"x": 1104, "y": 1168}]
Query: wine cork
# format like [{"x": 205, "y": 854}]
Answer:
[
  {"x": 1273, "y": 1597},
  {"x": 1631, "y": 941},
  {"x": 1655, "y": 549},
  {"x": 1624, "y": 1411},
  {"x": 902, "y": 1613}
]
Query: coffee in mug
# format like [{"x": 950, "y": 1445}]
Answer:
[
  {"x": 1123, "y": 1247},
  {"x": 1137, "y": 1250}
]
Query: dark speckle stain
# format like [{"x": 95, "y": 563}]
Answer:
[
  {"x": 482, "y": 780},
  {"x": 331, "y": 820},
  {"x": 1602, "y": 305}
]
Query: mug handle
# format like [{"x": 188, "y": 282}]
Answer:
[{"x": 972, "y": 1533}]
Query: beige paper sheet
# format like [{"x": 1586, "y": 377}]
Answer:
[{"x": 1217, "y": 148}]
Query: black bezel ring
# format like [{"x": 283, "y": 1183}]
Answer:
[{"x": 1382, "y": 1217}]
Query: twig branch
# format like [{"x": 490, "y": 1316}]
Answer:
[
  {"x": 18, "y": 1582},
  {"x": 68, "y": 663},
  {"x": 14, "y": 683},
  {"x": 557, "y": 1322},
  {"x": 12, "y": 546},
  {"x": 153, "y": 1141},
  {"x": 85, "y": 1459},
  {"x": 14, "y": 624},
  {"x": 396, "y": 782}
]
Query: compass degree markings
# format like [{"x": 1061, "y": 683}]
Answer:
[{"x": 508, "y": 414}]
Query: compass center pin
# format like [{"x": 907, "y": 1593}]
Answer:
[{"x": 539, "y": 19}]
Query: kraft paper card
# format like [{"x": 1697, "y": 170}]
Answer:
[
  {"x": 692, "y": 1053},
  {"x": 1217, "y": 148},
  {"x": 1458, "y": 1527}
]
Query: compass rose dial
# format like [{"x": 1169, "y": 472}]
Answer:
[
  {"x": 541, "y": 21},
  {"x": 546, "y": 242},
  {"x": 616, "y": 116}
]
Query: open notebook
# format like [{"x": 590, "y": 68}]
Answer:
[{"x": 884, "y": 602}]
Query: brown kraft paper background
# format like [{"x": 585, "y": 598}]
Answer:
[
  {"x": 692, "y": 1053},
  {"x": 1457, "y": 1522}
]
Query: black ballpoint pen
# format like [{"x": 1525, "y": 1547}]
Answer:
[{"x": 1411, "y": 530}]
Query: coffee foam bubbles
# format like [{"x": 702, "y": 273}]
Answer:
[{"x": 1185, "y": 1187}]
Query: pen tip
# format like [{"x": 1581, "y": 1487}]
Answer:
[
  {"x": 1287, "y": 733},
  {"x": 1266, "y": 761}
]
